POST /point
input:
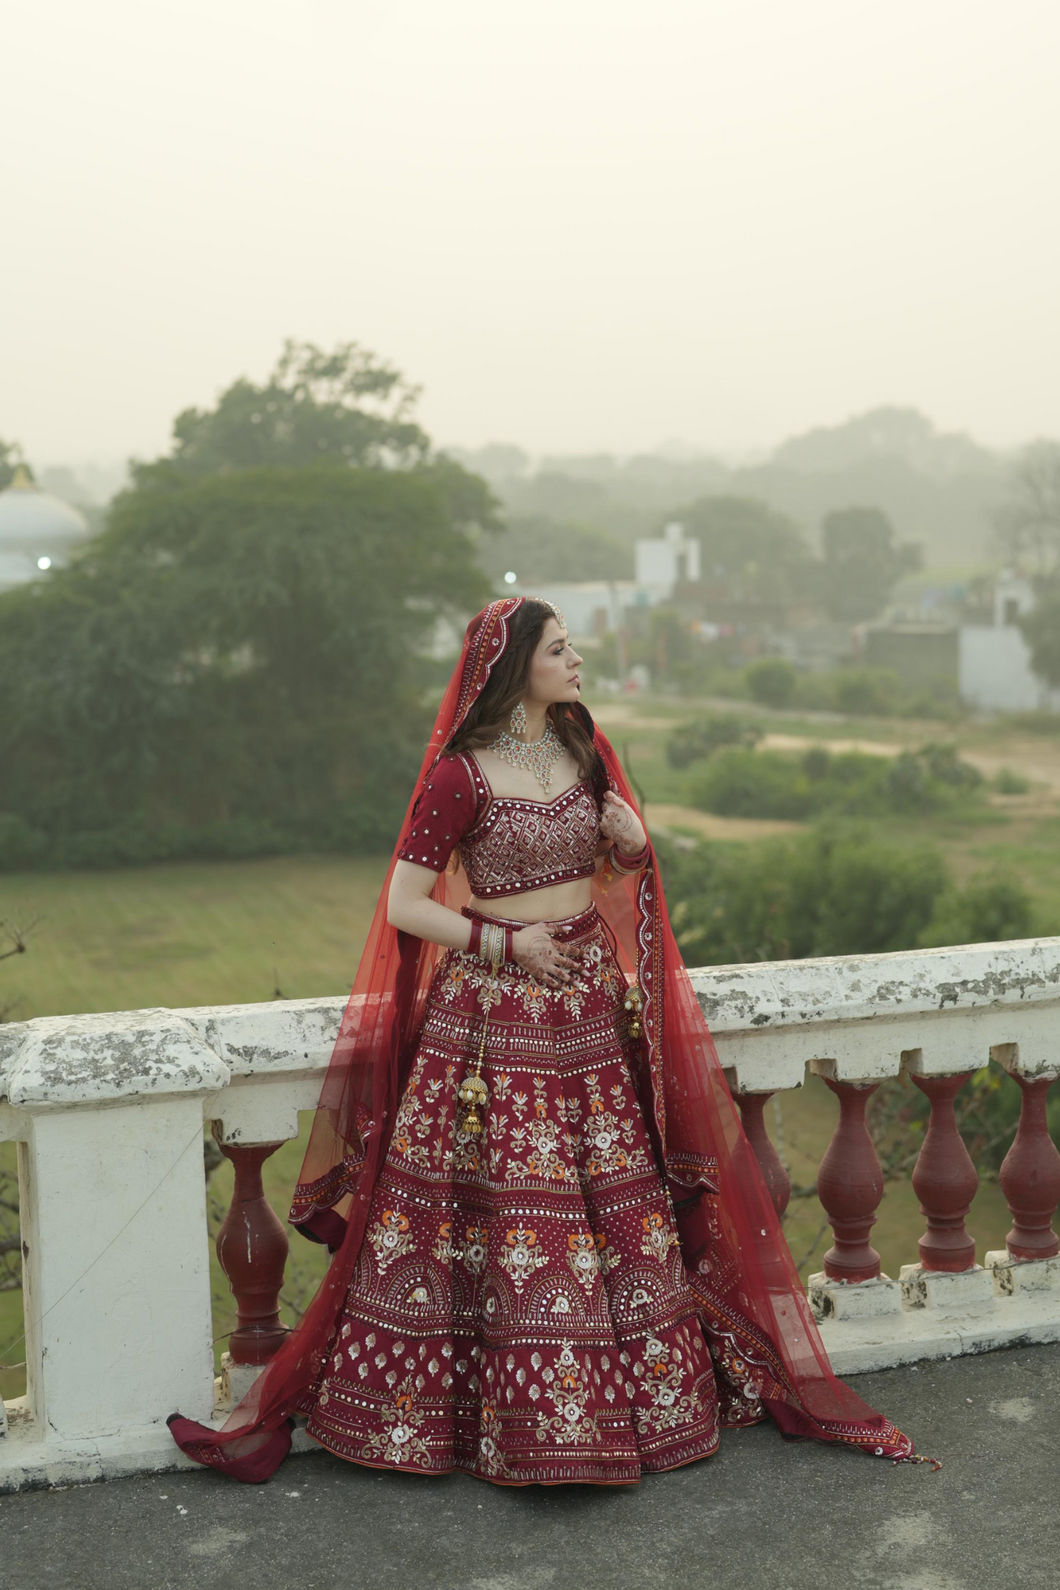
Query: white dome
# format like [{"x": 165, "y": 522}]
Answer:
[{"x": 35, "y": 526}]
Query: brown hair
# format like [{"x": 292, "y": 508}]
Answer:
[{"x": 507, "y": 684}]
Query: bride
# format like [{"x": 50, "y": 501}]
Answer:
[{"x": 554, "y": 1256}]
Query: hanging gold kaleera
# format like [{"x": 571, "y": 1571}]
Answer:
[
  {"x": 473, "y": 1095},
  {"x": 633, "y": 1001}
]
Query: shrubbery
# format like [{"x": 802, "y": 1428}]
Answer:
[
  {"x": 837, "y": 890},
  {"x": 704, "y": 736},
  {"x": 748, "y": 783}
]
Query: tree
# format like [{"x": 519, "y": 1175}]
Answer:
[
  {"x": 862, "y": 565},
  {"x": 771, "y": 681},
  {"x": 1028, "y": 524},
  {"x": 347, "y": 407},
  {"x": 540, "y": 549},
  {"x": 1041, "y": 630},
  {"x": 748, "y": 551},
  {"x": 237, "y": 649},
  {"x": 10, "y": 456}
]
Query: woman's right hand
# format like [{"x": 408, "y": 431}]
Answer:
[{"x": 536, "y": 951}]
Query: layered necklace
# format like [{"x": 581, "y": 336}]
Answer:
[{"x": 536, "y": 756}]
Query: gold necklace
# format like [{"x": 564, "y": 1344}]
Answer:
[{"x": 534, "y": 756}]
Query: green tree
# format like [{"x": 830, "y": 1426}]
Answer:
[
  {"x": 10, "y": 456},
  {"x": 242, "y": 648},
  {"x": 862, "y": 564},
  {"x": 1028, "y": 522},
  {"x": 749, "y": 552},
  {"x": 1041, "y": 629},
  {"x": 347, "y": 407},
  {"x": 541, "y": 549},
  {"x": 771, "y": 680}
]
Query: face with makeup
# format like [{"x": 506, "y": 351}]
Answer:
[{"x": 554, "y": 669}]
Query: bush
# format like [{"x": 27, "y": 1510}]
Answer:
[
  {"x": 1008, "y": 782},
  {"x": 771, "y": 680},
  {"x": 837, "y": 890},
  {"x": 744, "y": 783},
  {"x": 692, "y": 741},
  {"x": 834, "y": 891}
]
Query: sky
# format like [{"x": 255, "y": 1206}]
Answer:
[{"x": 580, "y": 225}]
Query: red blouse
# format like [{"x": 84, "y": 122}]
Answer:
[{"x": 508, "y": 845}]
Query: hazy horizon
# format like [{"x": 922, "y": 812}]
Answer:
[{"x": 580, "y": 228}]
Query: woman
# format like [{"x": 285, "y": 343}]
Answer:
[{"x": 555, "y": 1258}]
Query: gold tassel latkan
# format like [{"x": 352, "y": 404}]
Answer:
[{"x": 633, "y": 1001}]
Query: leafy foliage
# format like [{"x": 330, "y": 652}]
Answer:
[
  {"x": 837, "y": 890},
  {"x": 347, "y": 406},
  {"x": 748, "y": 551},
  {"x": 704, "y": 736},
  {"x": 743, "y": 783},
  {"x": 771, "y": 681},
  {"x": 236, "y": 661},
  {"x": 862, "y": 564}
]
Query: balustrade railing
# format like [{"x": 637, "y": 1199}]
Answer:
[{"x": 108, "y": 1113}]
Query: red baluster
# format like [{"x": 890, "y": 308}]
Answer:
[
  {"x": 252, "y": 1248},
  {"x": 850, "y": 1186},
  {"x": 1030, "y": 1177},
  {"x": 944, "y": 1180},
  {"x": 772, "y": 1166}
]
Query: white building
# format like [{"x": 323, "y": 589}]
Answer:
[
  {"x": 994, "y": 661},
  {"x": 37, "y": 531},
  {"x": 664, "y": 561}
]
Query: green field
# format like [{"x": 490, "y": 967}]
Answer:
[{"x": 228, "y": 932}]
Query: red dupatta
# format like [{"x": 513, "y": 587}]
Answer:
[{"x": 737, "y": 1260}]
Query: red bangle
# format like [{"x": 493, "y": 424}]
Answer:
[
  {"x": 476, "y": 936},
  {"x": 630, "y": 863},
  {"x": 509, "y": 939}
]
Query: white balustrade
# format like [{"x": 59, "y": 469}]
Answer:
[{"x": 108, "y": 1113}]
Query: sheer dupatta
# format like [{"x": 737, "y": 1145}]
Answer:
[{"x": 735, "y": 1253}]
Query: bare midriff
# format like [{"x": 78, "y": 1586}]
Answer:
[{"x": 539, "y": 905}]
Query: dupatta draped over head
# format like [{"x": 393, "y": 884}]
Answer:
[{"x": 736, "y": 1258}]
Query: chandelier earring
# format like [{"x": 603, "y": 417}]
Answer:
[{"x": 517, "y": 721}]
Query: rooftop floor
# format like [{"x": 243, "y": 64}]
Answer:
[{"x": 761, "y": 1513}]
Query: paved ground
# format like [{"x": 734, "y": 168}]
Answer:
[{"x": 761, "y": 1513}]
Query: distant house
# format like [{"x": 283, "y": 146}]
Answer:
[{"x": 994, "y": 660}]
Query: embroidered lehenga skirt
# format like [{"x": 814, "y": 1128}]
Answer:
[{"x": 520, "y": 1309}]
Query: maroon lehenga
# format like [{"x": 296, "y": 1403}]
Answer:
[
  {"x": 597, "y": 1284},
  {"x": 519, "y": 1308}
]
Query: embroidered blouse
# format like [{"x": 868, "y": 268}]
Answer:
[{"x": 508, "y": 845}]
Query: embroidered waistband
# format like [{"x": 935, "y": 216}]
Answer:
[{"x": 580, "y": 922}]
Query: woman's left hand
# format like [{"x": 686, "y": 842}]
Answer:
[{"x": 620, "y": 823}]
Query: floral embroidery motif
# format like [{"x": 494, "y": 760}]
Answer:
[
  {"x": 399, "y": 1439},
  {"x": 582, "y": 1258},
  {"x": 662, "y": 1380},
  {"x": 610, "y": 1139},
  {"x": 474, "y": 1254},
  {"x": 391, "y": 1237},
  {"x": 521, "y": 1255},
  {"x": 657, "y": 1239},
  {"x": 569, "y": 1395}
]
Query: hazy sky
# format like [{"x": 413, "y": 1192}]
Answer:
[{"x": 579, "y": 224}]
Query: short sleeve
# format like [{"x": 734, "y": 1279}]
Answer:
[{"x": 444, "y": 813}]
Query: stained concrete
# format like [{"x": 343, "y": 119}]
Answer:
[{"x": 761, "y": 1513}]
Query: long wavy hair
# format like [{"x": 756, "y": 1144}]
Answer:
[{"x": 508, "y": 684}]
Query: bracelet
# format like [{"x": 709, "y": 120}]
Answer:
[
  {"x": 628, "y": 864},
  {"x": 475, "y": 941},
  {"x": 509, "y": 940},
  {"x": 491, "y": 943}
]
